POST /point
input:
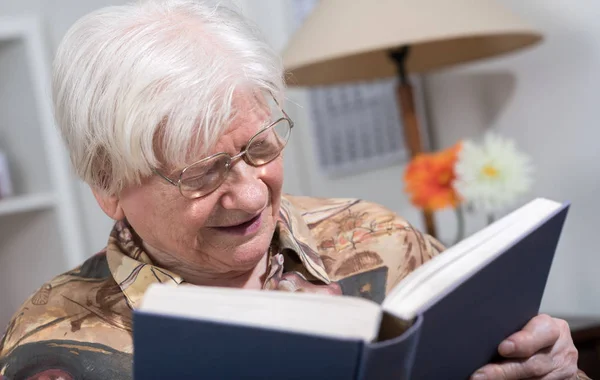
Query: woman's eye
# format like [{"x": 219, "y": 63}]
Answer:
[
  {"x": 201, "y": 179},
  {"x": 194, "y": 182},
  {"x": 262, "y": 146}
]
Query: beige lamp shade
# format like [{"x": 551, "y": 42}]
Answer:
[{"x": 350, "y": 40}]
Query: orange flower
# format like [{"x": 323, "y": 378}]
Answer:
[{"x": 429, "y": 178}]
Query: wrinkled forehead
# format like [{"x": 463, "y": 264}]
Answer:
[
  {"x": 249, "y": 114},
  {"x": 250, "y": 107}
]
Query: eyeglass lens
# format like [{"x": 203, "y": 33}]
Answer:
[{"x": 206, "y": 175}]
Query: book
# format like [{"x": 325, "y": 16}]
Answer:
[{"x": 443, "y": 321}]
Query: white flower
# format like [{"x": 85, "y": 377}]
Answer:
[{"x": 493, "y": 175}]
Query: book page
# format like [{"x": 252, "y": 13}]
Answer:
[
  {"x": 448, "y": 270},
  {"x": 425, "y": 271},
  {"x": 316, "y": 314}
]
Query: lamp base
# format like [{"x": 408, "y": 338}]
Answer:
[{"x": 412, "y": 133}]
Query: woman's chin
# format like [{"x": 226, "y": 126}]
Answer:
[
  {"x": 247, "y": 259},
  {"x": 255, "y": 248},
  {"x": 236, "y": 255}
]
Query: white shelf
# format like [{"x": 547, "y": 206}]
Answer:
[
  {"x": 44, "y": 216},
  {"x": 25, "y": 203},
  {"x": 14, "y": 28}
]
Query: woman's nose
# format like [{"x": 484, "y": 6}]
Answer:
[{"x": 244, "y": 190}]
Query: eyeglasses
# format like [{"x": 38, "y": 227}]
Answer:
[{"x": 205, "y": 176}]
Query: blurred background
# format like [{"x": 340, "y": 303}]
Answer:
[{"x": 543, "y": 98}]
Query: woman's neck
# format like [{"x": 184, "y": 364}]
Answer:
[
  {"x": 252, "y": 278},
  {"x": 249, "y": 279}
]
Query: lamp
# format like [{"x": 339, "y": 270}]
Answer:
[{"x": 345, "y": 41}]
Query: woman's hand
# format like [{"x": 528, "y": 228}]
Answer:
[{"x": 543, "y": 350}]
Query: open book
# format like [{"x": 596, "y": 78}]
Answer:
[{"x": 444, "y": 320}]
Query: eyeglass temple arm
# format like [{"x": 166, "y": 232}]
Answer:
[{"x": 165, "y": 177}]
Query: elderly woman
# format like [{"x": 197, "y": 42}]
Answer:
[{"x": 172, "y": 113}]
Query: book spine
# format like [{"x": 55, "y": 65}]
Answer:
[{"x": 393, "y": 355}]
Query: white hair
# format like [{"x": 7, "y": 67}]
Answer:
[{"x": 143, "y": 84}]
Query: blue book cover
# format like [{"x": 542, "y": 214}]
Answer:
[{"x": 462, "y": 330}]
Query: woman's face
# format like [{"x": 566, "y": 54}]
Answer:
[{"x": 230, "y": 229}]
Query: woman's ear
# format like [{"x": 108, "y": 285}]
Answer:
[{"x": 110, "y": 204}]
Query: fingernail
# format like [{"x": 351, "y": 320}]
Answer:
[
  {"x": 479, "y": 376},
  {"x": 507, "y": 347}
]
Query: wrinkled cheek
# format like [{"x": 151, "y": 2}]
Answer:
[{"x": 273, "y": 178}]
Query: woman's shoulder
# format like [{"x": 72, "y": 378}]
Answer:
[
  {"x": 361, "y": 239},
  {"x": 354, "y": 215},
  {"x": 78, "y": 318}
]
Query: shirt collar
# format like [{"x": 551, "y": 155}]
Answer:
[
  {"x": 133, "y": 270},
  {"x": 294, "y": 236}
]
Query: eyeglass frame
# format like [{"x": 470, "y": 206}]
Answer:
[{"x": 232, "y": 159}]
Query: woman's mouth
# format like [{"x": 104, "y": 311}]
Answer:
[{"x": 246, "y": 228}]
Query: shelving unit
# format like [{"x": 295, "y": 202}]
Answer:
[
  {"x": 40, "y": 232},
  {"x": 26, "y": 203}
]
